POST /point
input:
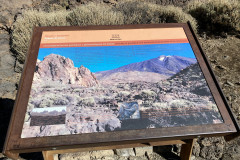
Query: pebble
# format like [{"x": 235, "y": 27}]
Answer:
[
  {"x": 229, "y": 83},
  {"x": 237, "y": 83},
  {"x": 221, "y": 67}
]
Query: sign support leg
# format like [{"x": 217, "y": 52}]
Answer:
[
  {"x": 186, "y": 149},
  {"x": 47, "y": 155},
  {"x": 11, "y": 155}
]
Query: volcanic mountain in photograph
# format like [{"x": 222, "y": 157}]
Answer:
[
  {"x": 165, "y": 91},
  {"x": 158, "y": 68},
  {"x": 165, "y": 65}
]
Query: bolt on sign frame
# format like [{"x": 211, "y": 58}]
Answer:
[{"x": 93, "y": 39}]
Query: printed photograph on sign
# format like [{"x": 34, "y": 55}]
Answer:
[{"x": 117, "y": 82}]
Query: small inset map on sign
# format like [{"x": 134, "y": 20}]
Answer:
[{"x": 48, "y": 116}]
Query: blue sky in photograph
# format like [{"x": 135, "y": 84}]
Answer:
[{"x": 110, "y": 57}]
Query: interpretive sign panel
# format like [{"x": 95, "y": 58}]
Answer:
[
  {"x": 115, "y": 83},
  {"x": 117, "y": 80}
]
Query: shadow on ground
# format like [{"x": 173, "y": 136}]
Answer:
[
  {"x": 5, "y": 115},
  {"x": 166, "y": 152}
]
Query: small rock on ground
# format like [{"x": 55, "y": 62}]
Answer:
[
  {"x": 141, "y": 151},
  {"x": 75, "y": 156},
  {"x": 102, "y": 153},
  {"x": 125, "y": 152}
]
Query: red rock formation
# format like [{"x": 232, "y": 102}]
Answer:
[{"x": 58, "y": 68}]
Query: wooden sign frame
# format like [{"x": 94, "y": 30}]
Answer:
[{"x": 14, "y": 144}]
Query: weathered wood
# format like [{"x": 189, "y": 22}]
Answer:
[
  {"x": 186, "y": 150},
  {"x": 158, "y": 143},
  {"x": 14, "y": 156},
  {"x": 163, "y": 143},
  {"x": 97, "y": 148},
  {"x": 186, "y": 145},
  {"x": 48, "y": 155}
]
